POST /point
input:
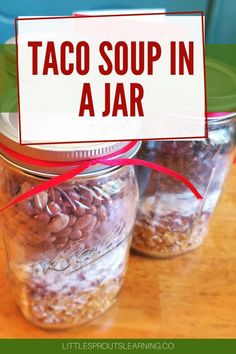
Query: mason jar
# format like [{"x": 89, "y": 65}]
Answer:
[
  {"x": 170, "y": 219},
  {"x": 67, "y": 246}
]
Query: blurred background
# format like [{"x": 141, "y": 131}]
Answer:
[{"x": 220, "y": 14}]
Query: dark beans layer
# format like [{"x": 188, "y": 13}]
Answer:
[{"x": 73, "y": 210}]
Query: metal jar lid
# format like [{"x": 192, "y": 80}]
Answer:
[
  {"x": 56, "y": 152},
  {"x": 216, "y": 118}
]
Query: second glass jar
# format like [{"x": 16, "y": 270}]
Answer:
[{"x": 170, "y": 219}]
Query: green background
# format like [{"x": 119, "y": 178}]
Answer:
[{"x": 181, "y": 346}]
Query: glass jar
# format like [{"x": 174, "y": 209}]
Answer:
[
  {"x": 170, "y": 219},
  {"x": 68, "y": 246}
]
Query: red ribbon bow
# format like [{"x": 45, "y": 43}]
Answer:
[{"x": 108, "y": 160}]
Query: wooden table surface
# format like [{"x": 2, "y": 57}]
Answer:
[{"x": 191, "y": 296}]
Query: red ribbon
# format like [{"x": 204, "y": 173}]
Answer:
[{"x": 108, "y": 160}]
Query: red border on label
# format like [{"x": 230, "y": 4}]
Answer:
[{"x": 201, "y": 13}]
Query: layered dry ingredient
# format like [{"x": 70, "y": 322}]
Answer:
[
  {"x": 63, "y": 295},
  {"x": 170, "y": 219},
  {"x": 68, "y": 246}
]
